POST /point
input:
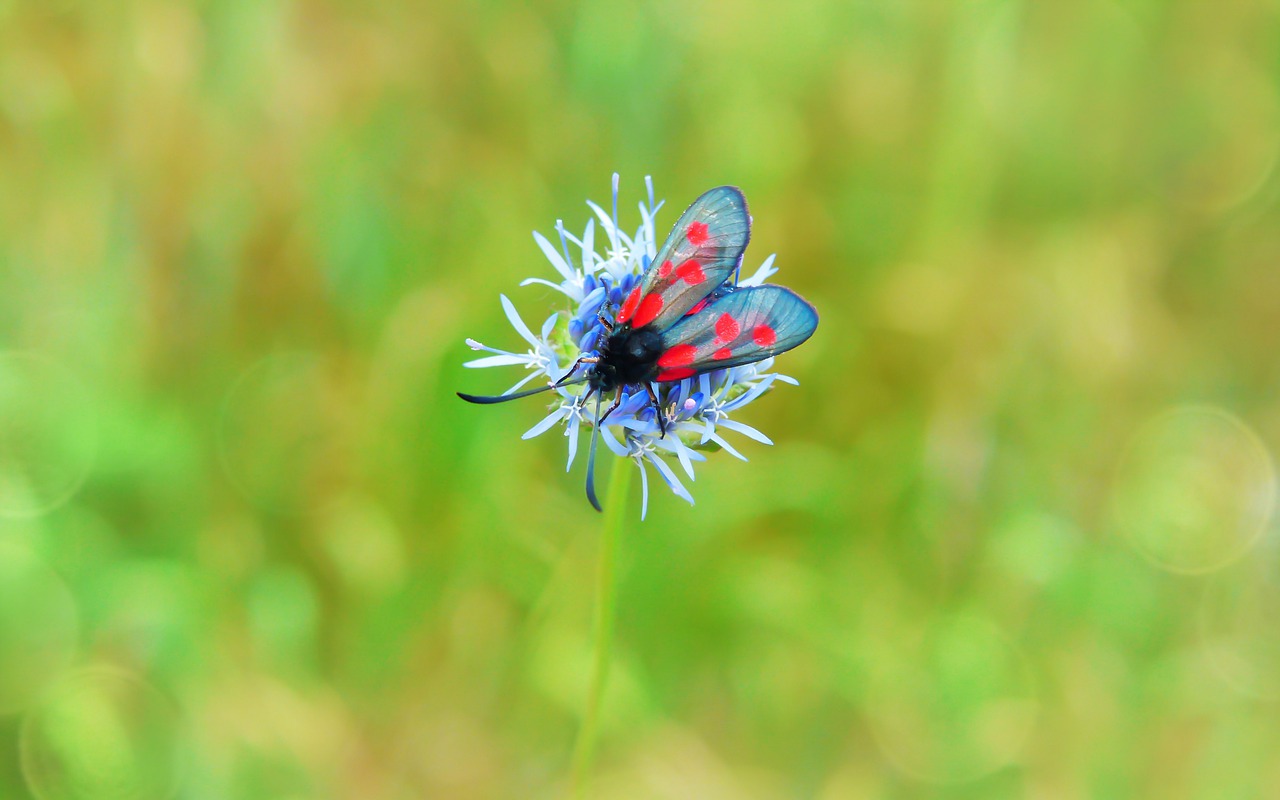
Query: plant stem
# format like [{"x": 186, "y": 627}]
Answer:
[{"x": 606, "y": 591}]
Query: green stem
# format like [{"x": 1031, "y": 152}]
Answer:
[{"x": 606, "y": 589}]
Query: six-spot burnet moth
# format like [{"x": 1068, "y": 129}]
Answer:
[{"x": 685, "y": 317}]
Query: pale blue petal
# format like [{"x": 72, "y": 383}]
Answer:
[
  {"x": 745, "y": 430},
  {"x": 670, "y": 478},
  {"x": 549, "y": 325},
  {"x": 728, "y": 448},
  {"x": 762, "y": 273},
  {"x": 611, "y": 441},
  {"x": 522, "y": 382},
  {"x": 750, "y": 394},
  {"x": 589, "y": 247},
  {"x": 497, "y": 361},
  {"x": 545, "y": 424},
  {"x": 644, "y": 488},
  {"x": 571, "y": 431},
  {"x": 606, "y": 223},
  {"x": 571, "y": 290},
  {"x": 554, "y": 257},
  {"x": 516, "y": 322}
]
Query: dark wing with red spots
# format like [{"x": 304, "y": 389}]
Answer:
[
  {"x": 704, "y": 248},
  {"x": 742, "y": 326}
]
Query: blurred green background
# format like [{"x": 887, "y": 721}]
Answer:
[{"x": 1015, "y": 538}]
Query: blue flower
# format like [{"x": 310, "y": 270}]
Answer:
[{"x": 697, "y": 410}]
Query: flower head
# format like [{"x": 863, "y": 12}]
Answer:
[{"x": 696, "y": 412}]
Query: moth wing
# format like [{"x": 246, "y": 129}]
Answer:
[
  {"x": 702, "y": 250},
  {"x": 743, "y": 326}
]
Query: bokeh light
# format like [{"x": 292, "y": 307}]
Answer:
[
  {"x": 1194, "y": 490},
  {"x": 1016, "y": 533},
  {"x": 1238, "y": 628},
  {"x": 39, "y": 626},
  {"x": 102, "y": 733},
  {"x": 48, "y": 434}
]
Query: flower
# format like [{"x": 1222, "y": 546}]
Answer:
[{"x": 697, "y": 410}]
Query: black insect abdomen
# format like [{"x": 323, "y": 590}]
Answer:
[{"x": 628, "y": 357}]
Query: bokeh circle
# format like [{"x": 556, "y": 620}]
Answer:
[
  {"x": 1194, "y": 490},
  {"x": 102, "y": 734},
  {"x": 39, "y": 626},
  {"x": 952, "y": 701},
  {"x": 1238, "y": 629},
  {"x": 48, "y": 434}
]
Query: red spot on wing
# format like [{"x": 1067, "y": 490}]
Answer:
[
  {"x": 675, "y": 374},
  {"x": 700, "y": 305},
  {"x": 678, "y": 356},
  {"x": 764, "y": 335},
  {"x": 665, "y": 269},
  {"x": 629, "y": 305},
  {"x": 691, "y": 272},
  {"x": 721, "y": 354},
  {"x": 697, "y": 234},
  {"x": 727, "y": 329},
  {"x": 649, "y": 308}
]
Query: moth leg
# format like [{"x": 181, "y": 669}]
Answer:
[
  {"x": 581, "y": 360},
  {"x": 608, "y": 326},
  {"x": 617, "y": 402},
  {"x": 657, "y": 410}
]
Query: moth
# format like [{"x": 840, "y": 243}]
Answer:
[{"x": 685, "y": 317}]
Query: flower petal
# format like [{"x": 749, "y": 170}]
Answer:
[
  {"x": 571, "y": 431},
  {"x": 545, "y": 424},
  {"x": 745, "y": 430},
  {"x": 520, "y": 384},
  {"x": 644, "y": 488},
  {"x": 496, "y": 361},
  {"x": 728, "y": 448},
  {"x": 549, "y": 325},
  {"x": 516, "y": 322},
  {"x": 669, "y": 477},
  {"x": 553, "y": 256},
  {"x": 568, "y": 289}
]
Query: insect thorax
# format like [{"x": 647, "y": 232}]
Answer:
[{"x": 627, "y": 356}]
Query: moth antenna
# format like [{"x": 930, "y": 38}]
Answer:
[
  {"x": 591, "y": 459},
  {"x": 502, "y": 398}
]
